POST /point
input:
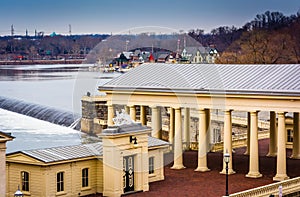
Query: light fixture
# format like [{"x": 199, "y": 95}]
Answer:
[
  {"x": 133, "y": 139},
  {"x": 226, "y": 160},
  {"x": 226, "y": 157},
  {"x": 18, "y": 193}
]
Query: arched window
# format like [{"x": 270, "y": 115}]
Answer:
[{"x": 25, "y": 181}]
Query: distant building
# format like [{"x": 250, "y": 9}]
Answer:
[{"x": 199, "y": 55}]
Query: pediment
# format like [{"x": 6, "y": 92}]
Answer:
[{"x": 22, "y": 158}]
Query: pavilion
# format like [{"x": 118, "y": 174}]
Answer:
[{"x": 205, "y": 87}]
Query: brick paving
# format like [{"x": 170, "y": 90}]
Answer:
[{"x": 188, "y": 183}]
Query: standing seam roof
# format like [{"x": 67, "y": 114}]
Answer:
[
  {"x": 77, "y": 151},
  {"x": 236, "y": 78}
]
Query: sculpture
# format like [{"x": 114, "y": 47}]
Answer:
[{"x": 122, "y": 118}]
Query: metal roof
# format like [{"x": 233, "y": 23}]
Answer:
[
  {"x": 154, "y": 142},
  {"x": 276, "y": 79},
  {"x": 63, "y": 153}
]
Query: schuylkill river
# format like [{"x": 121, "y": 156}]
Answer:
[{"x": 59, "y": 87}]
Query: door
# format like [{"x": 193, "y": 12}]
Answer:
[{"x": 128, "y": 173}]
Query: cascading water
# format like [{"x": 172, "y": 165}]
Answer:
[{"x": 50, "y": 114}]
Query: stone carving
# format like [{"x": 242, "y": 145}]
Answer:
[{"x": 122, "y": 118}]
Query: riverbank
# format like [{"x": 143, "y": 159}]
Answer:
[{"x": 31, "y": 62}]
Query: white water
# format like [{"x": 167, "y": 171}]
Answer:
[
  {"x": 61, "y": 90},
  {"x": 31, "y": 133}
]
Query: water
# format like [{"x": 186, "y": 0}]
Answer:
[
  {"x": 42, "y": 112},
  {"x": 34, "y": 88}
]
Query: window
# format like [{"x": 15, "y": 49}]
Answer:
[
  {"x": 290, "y": 135},
  {"x": 25, "y": 181},
  {"x": 60, "y": 182},
  {"x": 151, "y": 165},
  {"x": 85, "y": 177},
  {"x": 216, "y": 135}
]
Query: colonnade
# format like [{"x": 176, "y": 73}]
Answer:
[{"x": 277, "y": 145}]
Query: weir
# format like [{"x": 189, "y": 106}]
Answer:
[{"x": 46, "y": 113}]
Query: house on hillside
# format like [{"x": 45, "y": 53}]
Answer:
[{"x": 199, "y": 55}]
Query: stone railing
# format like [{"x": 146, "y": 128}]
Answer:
[
  {"x": 237, "y": 143},
  {"x": 288, "y": 187}
]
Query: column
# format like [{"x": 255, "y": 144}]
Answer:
[
  {"x": 127, "y": 110},
  {"x": 187, "y": 128},
  {"x": 3, "y": 169},
  {"x": 156, "y": 122},
  {"x": 172, "y": 125},
  {"x": 296, "y": 137},
  {"x": 248, "y": 134},
  {"x": 132, "y": 112},
  {"x": 143, "y": 115},
  {"x": 273, "y": 136},
  {"x": 202, "y": 144},
  {"x": 281, "y": 153},
  {"x": 178, "y": 159},
  {"x": 228, "y": 141},
  {"x": 208, "y": 131},
  {"x": 110, "y": 115},
  {"x": 253, "y": 158}
]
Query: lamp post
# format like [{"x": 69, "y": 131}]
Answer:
[
  {"x": 226, "y": 160},
  {"x": 18, "y": 193}
]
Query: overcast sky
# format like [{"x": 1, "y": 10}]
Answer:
[{"x": 115, "y": 16}]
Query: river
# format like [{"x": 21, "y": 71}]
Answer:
[{"x": 55, "y": 86}]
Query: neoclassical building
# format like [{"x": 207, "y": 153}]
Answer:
[
  {"x": 201, "y": 88},
  {"x": 125, "y": 161}
]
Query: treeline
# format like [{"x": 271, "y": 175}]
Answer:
[
  {"x": 271, "y": 38},
  {"x": 47, "y": 47}
]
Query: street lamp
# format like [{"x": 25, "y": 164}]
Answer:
[
  {"x": 226, "y": 160},
  {"x": 18, "y": 193}
]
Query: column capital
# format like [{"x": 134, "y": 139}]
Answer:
[
  {"x": 253, "y": 113},
  {"x": 201, "y": 110},
  {"x": 177, "y": 108},
  {"x": 227, "y": 110},
  {"x": 280, "y": 113},
  {"x": 154, "y": 106}
]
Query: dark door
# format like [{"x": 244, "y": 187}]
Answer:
[{"x": 128, "y": 173}]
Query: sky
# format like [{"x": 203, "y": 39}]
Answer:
[{"x": 120, "y": 16}]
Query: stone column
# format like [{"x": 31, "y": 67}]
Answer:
[
  {"x": 248, "y": 134},
  {"x": 132, "y": 113},
  {"x": 296, "y": 137},
  {"x": 156, "y": 122},
  {"x": 273, "y": 136},
  {"x": 187, "y": 128},
  {"x": 110, "y": 115},
  {"x": 143, "y": 115},
  {"x": 208, "y": 131},
  {"x": 127, "y": 110},
  {"x": 172, "y": 126},
  {"x": 228, "y": 141},
  {"x": 281, "y": 153},
  {"x": 202, "y": 144},
  {"x": 3, "y": 170},
  {"x": 254, "y": 157},
  {"x": 178, "y": 159}
]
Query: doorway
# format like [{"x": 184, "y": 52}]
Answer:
[{"x": 128, "y": 173}]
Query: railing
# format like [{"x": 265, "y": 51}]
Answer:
[
  {"x": 235, "y": 144},
  {"x": 288, "y": 187}
]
